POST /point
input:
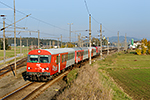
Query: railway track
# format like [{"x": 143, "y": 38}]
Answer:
[
  {"x": 22, "y": 62},
  {"x": 11, "y": 67},
  {"x": 32, "y": 89}
]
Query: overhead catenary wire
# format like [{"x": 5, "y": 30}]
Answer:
[
  {"x": 34, "y": 17},
  {"x": 87, "y": 8}
]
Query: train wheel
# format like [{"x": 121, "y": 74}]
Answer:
[
  {"x": 34, "y": 78},
  {"x": 30, "y": 78},
  {"x": 39, "y": 78},
  {"x": 42, "y": 78}
]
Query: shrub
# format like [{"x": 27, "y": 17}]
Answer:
[
  {"x": 148, "y": 51},
  {"x": 143, "y": 49},
  {"x": 138, "y": 51}
]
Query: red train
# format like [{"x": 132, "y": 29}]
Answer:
[{"x": 44, "y": 63}]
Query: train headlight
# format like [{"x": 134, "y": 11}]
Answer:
[
  {"x": 29, "y": 68},
  {"x": 47, "y": 68}
]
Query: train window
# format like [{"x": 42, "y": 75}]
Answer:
[
  {"x": 44, "y": 59},
  {"x": 66, "y": 57},
  {"x": 72, "y": 55},
  {"x": 33, "y": 58},
  {"x": 82, "y": 53},
  {"x": 49, "y": 58},
  {"x": 62, "y": 58},
  {"x": 57, "y": 60}
]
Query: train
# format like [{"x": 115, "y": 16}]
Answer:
[{"x": 43, "y": 64}]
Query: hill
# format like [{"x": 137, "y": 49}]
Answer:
[{"x": 121, "y": 39}]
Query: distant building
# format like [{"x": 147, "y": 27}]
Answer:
[
  {"x": 134, "y": 44},
  {"x": 13, "y": 45}
]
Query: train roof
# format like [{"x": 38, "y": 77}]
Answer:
[
  {"x": 51, "y": 51},
  {"x": 58, "y": 50}
]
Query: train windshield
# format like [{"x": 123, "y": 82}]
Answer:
[
  {"x": 43, "y": 59},
  {"x": 33, "y": 58},
  {"x": 39, "y": 58}
]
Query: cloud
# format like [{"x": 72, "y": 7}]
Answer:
[{"x": 5, "y": 9}]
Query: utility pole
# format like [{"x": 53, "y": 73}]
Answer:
[
  {"x": 53, "y": 44},
  {"x": 38, "y": 39},
  {"x": 107, "y": 46},
  {"x": 79, "y": 40},
  {"x": 90, "y": 36},
  {"x": 16, "y": 21},
  {"x": 58, "y": 43},
  {"x": 50, "y": 43},
  {"x": 46, "y": 45},
  {"x": 125, "y": 44},
  {"x": 118, "y": 41},
  {"x": 15, "y": 36},
  {"x": 29, "y": 31},
  {"x": 101, "y": 40},
  {"x": 70, "y": 31},
  {"x": 31, "y": 45},
  {"x": 61, "y": 40},
  {"x": 20, "y": 46},
  {"x": 27, "y": 45},
  {"x": 4, "y": 38},
  {"x": 97, "y": 43}
]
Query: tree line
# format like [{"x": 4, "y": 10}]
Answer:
[{"x": 10, "y": 42}]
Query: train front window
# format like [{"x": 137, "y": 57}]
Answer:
[
  {"x": 33, "y": 58},
  {"x": 44, "y": 58}
]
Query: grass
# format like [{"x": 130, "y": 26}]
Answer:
[
  {"x": 72, "y": 75},
  {"x": 134, "y": 81},
  {"x": 130, "y": 71},
  {"x": 10, "y": 53}
]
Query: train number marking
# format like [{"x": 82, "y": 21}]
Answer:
[{"x": 54, "y": 68}]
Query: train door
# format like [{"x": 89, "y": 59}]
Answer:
[
  {"x": 58, "y": 62},
  {"x": 55, "y": 64}
]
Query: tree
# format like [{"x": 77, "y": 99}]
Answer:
[
  {"x": 148, "y": 46},
  {"x": 70, "y": 45},
  {"x": 95, "y": 41},
  {"x": 144, "y": 41},
  {"x": 104, "y": 41},
  {"x": 0, "y": 44},
  {"x": 6, "y": 45}
]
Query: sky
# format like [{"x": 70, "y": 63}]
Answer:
[{"x": 51, "y": 17}]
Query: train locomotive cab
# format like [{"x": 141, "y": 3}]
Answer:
[
  {"x": 46, "y": 63},
  {"x": 38, "y": 64}
]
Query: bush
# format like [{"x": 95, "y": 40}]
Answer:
[
  {"x": 138, "y": 51},
  {"x": 144, "y": 49},
  {"x": 148, "y": 51},
  {"x": 9, "y": 48}
]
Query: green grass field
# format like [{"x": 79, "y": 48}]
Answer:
[
  {"x": 10, "y": 53},
  {"x": 131, "y": 72}
]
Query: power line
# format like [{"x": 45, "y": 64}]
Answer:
[
  {"x": 108, "y": 30},
  {"x": 34, "y": 17},
  {"x": 86, "y": 7},
  {"x": 94, "y": 18}
]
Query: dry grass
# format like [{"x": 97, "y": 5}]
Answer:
[{"x": 86, "y": 86}]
